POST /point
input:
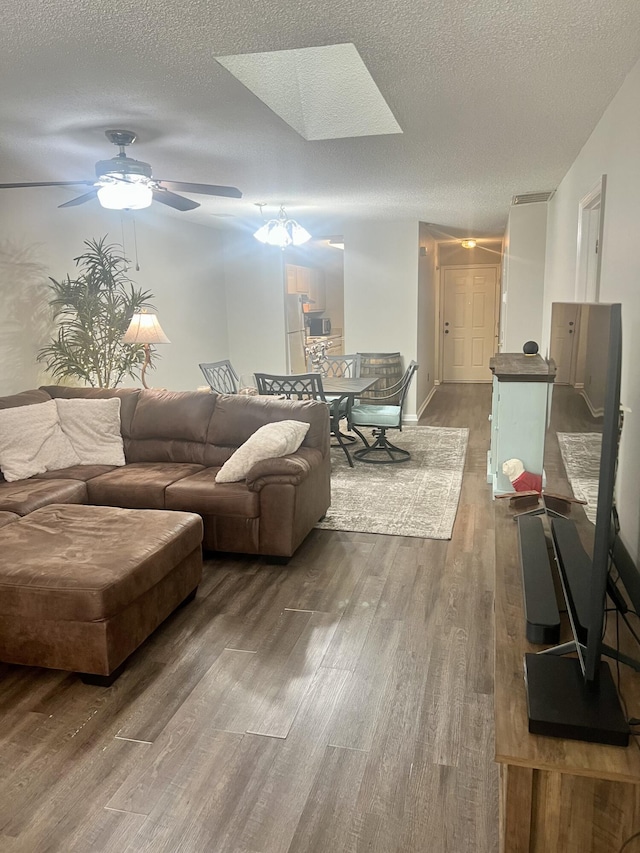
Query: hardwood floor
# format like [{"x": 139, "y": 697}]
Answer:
[{"x": 341, "y": 703}]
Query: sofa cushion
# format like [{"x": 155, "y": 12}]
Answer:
[
  {"x": 200, "y": 493},
  {"x": 24, "y": 398},
  {"x": 170, "y": 426},
  {"x": 25, "y": 496},
  {"x": 140, "y": 485},
  {"x": 268, "y": 442},
  {"x": 76, "y": 472},
  {"x": 93, "y": 428},
  {"x": 128, "y": 399},
  {"x": 7, "y": 518},
  {"x": 88, "y": 563},
  {"x": 32, "y": 441},
  {"x": 236, "y": 417}
]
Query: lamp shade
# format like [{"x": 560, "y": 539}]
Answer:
[{"x": 145, "y": 329}]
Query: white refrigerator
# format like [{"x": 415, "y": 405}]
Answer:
[{"x": 296, "y": 359}]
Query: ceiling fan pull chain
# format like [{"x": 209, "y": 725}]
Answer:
[
  {"x": 124, "y": 251},
  {"x": 135, "y": 243}
]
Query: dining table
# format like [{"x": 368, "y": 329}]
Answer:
[{"x": 340, "y": 390}]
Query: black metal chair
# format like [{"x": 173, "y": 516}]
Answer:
[
  {"x": 347, "y": 366},
  {"x": 380, "y": 418},
  {"x": 304, "y": 386},
  {"x": 221, "y": 377},
  {"x": 338, "y": 366}
]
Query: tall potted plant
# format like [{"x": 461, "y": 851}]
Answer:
[{"x": 93, "y": 311}]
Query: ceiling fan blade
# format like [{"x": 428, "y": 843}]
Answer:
[
  {"x": 177, "y": 202},
  {"x": 48, "y": 184},
  {"x": 205, "y": 189},
  {"x": 80, "y": 199}
]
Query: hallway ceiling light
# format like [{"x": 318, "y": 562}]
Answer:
[
  {"x": 282, "y": 232},
  {"x": 468, "y": 244}
]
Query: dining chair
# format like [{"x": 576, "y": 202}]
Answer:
[
  {"x": 304, "y": 386},
  {"x": 347, "y": 366},
  {"x": 220, "y": 376},
  {"x": 380, "y": 418},
  {"x": 339, "y": 366}
]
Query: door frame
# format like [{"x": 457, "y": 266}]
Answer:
[
  {"x": 439, "y": 319},
  {"x": 591, "y": 201}
]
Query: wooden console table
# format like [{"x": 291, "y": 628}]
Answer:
[{"x": 556, "y": 796}]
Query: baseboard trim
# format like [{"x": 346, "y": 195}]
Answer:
[
  {"x": 596, "y": 413},
  {"x": 426, "y": 402}
]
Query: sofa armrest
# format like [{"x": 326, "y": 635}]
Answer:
[{"x": 284, "y": 469}]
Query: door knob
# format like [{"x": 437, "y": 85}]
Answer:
[
  {"x": 446, "y": 331},
  {"x": 446, "y": 324}
]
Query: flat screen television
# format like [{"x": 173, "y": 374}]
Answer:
[{"x": 576, "y": 697}]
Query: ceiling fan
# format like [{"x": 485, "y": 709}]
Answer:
[{"x": 126, "y": 184}]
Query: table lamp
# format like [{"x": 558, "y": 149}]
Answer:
[{"x": 146, "y": 330}]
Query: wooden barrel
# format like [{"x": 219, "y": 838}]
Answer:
[{"x": 387, "y": 366}]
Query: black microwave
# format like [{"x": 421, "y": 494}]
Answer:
[{"x": 319, "y": 326}]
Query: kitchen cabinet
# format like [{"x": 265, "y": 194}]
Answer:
[
  {"x": 317, "y": 292},
  {"x": 298, "y": 278},
  {"x": 307, "y": 280}
]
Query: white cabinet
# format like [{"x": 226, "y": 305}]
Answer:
[
  {"x": 298, "y": 278},
  {"x": 317, "y": 292},
  {"x": 307, "y": 280},
  {"x": 521, "y": 401}
]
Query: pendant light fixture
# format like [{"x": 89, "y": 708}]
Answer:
[{"x": 282, "y": 231}]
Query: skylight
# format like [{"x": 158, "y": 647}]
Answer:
[{"x": 321, "y": 92}]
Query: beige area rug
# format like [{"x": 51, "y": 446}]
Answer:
[
  {"x": 581, "y": 456},
  {"x": 415, "y": 498}
]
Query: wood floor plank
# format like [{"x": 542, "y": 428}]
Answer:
[
  {"x": 327, "y": 820},
  {"x": 355, "y": 721},
  {"x": 266, "y": 677},
  {"x": 272, "y": 821},
  {"x": 143, "y": 788},
  {"x": 47, "y": 823},
  {"x": 331, "y": 587},
  {"x": 393, "y": 747},
  {"x": 145, "y": 718},
  {"x": 192, "y": 813},
  {"x": 396, "y": 594},
  {"x": 351, "y": 632},
  {"x": 275, "y": 715}
]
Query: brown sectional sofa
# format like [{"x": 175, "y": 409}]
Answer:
[
  {"x": 95, "y": 557},
  {"x": 175, "y": 442}
]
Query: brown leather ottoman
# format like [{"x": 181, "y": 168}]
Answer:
[{"x": 81, "y": 587}]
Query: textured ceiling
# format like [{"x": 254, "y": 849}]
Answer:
[{"x": 494, "y": 98}]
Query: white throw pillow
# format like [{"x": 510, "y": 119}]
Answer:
[
  {"x": 32, "y": 442},
  {"x": 93, "y": 428},
  {"x": 275, "y": 439}
]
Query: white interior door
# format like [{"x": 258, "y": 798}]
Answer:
[
  {"x": 469, "y": 329},
  {"x": 564, "y": 326}
]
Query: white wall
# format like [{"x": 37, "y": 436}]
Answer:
[
  {"x": 381, "y": 290},
  {"x": 179, "y": 262},
  {"x": 427, "y": 331},
  {"x": 254, "y": 281},
  {"x": 613, "y": 150},
  {"x": 523, "y": 276}
]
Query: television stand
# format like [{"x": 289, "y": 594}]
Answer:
[
  {"x": 556, "y": 794},
  {"x": 559, "y": 703}
]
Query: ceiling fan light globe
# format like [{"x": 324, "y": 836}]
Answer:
[
  {"x": 125, "y": 196},
  {"x": 299, "y": 235},
  {"x": 278, "y": 235},
  {"x": 262, "y": 234}
]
